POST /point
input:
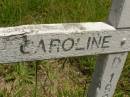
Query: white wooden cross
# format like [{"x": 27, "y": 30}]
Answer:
[{"x": 110, "y": 41}]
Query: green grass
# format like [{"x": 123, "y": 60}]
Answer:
[
  {"x": 55, "y": 78},
  {"x": 17, "y": 12}
]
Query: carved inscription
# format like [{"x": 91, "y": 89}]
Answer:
[
  {"x": 67, "y": 48},
  {"x": 54, "y": 43},
  {"x": 25, "y": 45},
  {"x": 65, "y": 45},
  {"x": 42, "y": 45},
  {"x": 107, "y": 91}
]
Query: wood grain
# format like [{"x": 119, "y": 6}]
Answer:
[{"x": 38, "y": 42}]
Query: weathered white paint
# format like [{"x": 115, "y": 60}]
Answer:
[
  {"x": 38, "y": 42},
  {"x": 55, "y": 28},
  {"x": 120, "y": 14},
  {"x": 106, "y": 75},
  {"x": 109, "y": 67}
]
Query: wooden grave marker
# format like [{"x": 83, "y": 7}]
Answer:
[{"x": 110, "y": 41}]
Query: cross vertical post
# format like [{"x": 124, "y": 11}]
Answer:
[{"x": 109, "y": 67}]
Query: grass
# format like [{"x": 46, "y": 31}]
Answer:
[
  {"x": 17, "y": 12},
  {"x": 59, "y": 77}
]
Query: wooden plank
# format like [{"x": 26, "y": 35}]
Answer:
[
  {"x": 120, "y": 14},
  {"x": 38, "y": 42},
  {"x": 106, "y": 75},
  {"x": 109, "y": 67}
]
